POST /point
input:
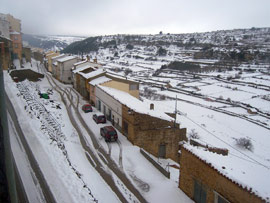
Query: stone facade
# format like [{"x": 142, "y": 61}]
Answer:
[
  {"x": 27, "y": 54},
  {"x": 150, "y": 133},
  {"x": 16, "y": 45},
  {"x": 193, "y": 169},
  {"x": 5, "y": 53},
  {"x": 38, "y": 56}
]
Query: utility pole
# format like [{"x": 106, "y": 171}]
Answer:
[{"x": 175, "y": 111}]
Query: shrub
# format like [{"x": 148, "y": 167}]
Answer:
[
  {"x": 193, "y": 134},
  {"x": 127, "y": 71},
  {"x": 244, "y": 143},
  {"x": 129, "y": 46},
  {"x": 161, "y": 52}
]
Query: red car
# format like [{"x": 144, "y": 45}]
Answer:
[
  {"x": 100, "y": 118},
  {"x": 109, "y": 133},
  {"x": 87, "y": 108}
]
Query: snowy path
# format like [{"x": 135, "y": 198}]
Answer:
[{"x": 102, "y": 155}]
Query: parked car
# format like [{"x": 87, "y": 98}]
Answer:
[
  {"x": 109, "y": 133},
  {"x": 99, "y": 118},
  {"x": 87, "y": 108}
]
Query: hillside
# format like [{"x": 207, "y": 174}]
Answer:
[
  {"x": 239, "y": 45},
  {"x": 50, "y": 42}
]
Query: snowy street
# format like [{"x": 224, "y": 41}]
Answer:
[{"x": 80, "y": 166}]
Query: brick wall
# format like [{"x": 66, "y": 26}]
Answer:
[
  {"x": 192, "y": 168},
  {"x": 149, "y": 133}
]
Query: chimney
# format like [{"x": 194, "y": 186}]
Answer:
[
  {"x": 152, "y": 106},
  {"x": 95, "y": 60},
  {"x": 88, "y": 58}
]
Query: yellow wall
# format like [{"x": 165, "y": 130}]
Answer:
[
  {"x": 122, "y": 86},
  {"x": 49, "y": 57}
]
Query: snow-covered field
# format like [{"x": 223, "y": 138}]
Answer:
[{"x": 219, "y": 110}]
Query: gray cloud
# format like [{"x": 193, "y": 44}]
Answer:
[{"x": 89, "y": 17}]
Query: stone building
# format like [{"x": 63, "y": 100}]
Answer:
[
  {"x": 204, "y": 181},
  {"x": 154, "y": 131},
  {"x": 16, "y": 38},
  {"x": 26, "y": 53},
  {"x": 5, "y": 53}
]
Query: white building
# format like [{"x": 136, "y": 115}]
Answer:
[
  {"x": 109, "y": 106},
  {"x": 55, "y": 63},
  {"x": 64, "y": 68}
]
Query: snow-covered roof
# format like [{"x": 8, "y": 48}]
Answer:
[
  {"x": 99, "y": 80},
  {"x": 134, "y": 103},
  {"x": 80, "y": 62},
  {"x": 67, "y": 58},
  {"x": 244, "y": 172},
  {"x": 92, "y": 74},
  {"x": 120, "y": 77},
  {"x": 82, "y": 68},
  {"x": 59, "y": 56},
  {"x": 2, "y": 36},
  {"x": 14, "y": 33}
]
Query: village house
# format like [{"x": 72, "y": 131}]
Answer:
[
  {"x": 82, "y": 66},
  {"x": 55, "y": 63},
  {"x": 10, "y": 28},
  {"x": 92, "y": 85},
  {"x": 145, "y": 127},
  {"x": 83, "y": 75},
  {"x": 64, "y": 68},
  {"x": 16, "y": 45},
  {"x": 5, "y": 43},
  {"x": 5, "y": 53},
  {"x": 48, "y": 58},
  {"x": 209, "y": 174},
  {"x": 27, "y": 53},
  {"x": 117, "y": 82}
]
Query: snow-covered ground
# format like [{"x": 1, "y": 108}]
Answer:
[
  {"x": 70, "y": 176},
  {"x": 216, "y": 105}
]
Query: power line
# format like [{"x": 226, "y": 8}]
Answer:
[{"x": 255, "y": 161}]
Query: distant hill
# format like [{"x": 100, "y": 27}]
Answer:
[
  {"x": 56, "y": 43},
  {"x": 84, "y": 46}
]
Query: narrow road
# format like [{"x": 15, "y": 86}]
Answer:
[
  {"x": 34, "y": 165},
  {"x": 102, "y": 155}
]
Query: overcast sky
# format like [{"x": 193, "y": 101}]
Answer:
[{"x": 104, "y": 17}]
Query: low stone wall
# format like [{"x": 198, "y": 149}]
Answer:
[{"x": 152, "y": 161}]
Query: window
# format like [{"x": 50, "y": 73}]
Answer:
[
  {"x": 133, "y": 87},
  {"x": 162, "y": 151},
  {"x": 125, "y": 128},
  {"x": 16, "y": 45},
  {"x": 199, "y": 194},
  {"x": 104, "y": 109},
  {"x": 99, "y": 105},
  {"x": 69, "y": 78},
  {"x": 15, "y": 38},
  {"x": 219, "y": 198}
]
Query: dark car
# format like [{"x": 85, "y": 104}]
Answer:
[
  {"x": 99, "y": 118},
  {"x": 109, "y": 133},
  {"x": 87, "y": 108}
]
